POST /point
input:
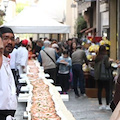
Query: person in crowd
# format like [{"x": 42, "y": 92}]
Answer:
[
  {"x": 45, "y": 39},
  {"x": 17, "y": 42},
  {"x": 73, "y": 47},
  {"x": 56, "y": 47},
  {"x": 102, "y": 55},
  {"x": 8, "y": 99},
  {"x": 60, "y": 45},
  {"x": 68, "y": 47},
  {"x": 39, "y": 44},
  {"x": 65, "y": 63},
  {"x": 32, "y": 44},
  {"x": 75, "y": 40},
  {"x": 78, "y": 58},
  {"x": 22, "y": 57},
  {"x": 47, "y": 59},
  {"x": 54, "y": 41}
]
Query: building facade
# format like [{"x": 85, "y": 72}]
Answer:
[{"x": 104, "y": 16}]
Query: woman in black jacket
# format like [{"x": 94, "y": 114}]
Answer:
[{"x": 102, "y": 83}]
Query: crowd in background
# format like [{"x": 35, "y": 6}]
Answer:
[
  {"x": 62, "y": 60},
  {"x": 59, "y": 62}
]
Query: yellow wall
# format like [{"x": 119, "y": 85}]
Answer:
[
  {"x": 113, "y": 29},
  {"x": 71, "y": 16}
]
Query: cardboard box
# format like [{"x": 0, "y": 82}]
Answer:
[{"x": 92, "y": 92}]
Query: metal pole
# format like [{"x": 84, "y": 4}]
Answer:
[
  {"x": 38, "y": 36},
  {"x": 118, "y": 31},
  {"x": 98, "y": 19}
]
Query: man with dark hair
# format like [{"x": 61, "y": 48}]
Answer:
[
  {"x": 17, "y": 43},
  {"x": 22, "y": 57},
  {"x": 33, "y": 44},
  {"x": 8, "y": 101},
  {"x": 78, "y": 58}
]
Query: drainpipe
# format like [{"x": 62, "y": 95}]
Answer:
[
  {"x": 98, "y": 19},
  {"x": 118, "y": 31}
]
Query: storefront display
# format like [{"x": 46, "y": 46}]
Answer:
[{"x": 91, "y": 52}]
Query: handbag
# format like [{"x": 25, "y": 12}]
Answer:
[{"x": 105, "y": 73}]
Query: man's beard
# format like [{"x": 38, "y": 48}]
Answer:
[{"x": 7, "y": 50}]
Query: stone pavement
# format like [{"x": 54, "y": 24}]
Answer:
[{"x": 82, "y": 108}]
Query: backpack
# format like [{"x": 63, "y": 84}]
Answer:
[{"x": 105, "y": 73}]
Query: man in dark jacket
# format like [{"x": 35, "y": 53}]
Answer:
[{"x": 78, "y": 58}]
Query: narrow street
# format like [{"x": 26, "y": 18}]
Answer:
[{"x": 82, "y": 108}]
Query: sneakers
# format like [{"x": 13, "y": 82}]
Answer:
[
  {"x": 108, "y": 107},
  {"x": 77, "y": 96},
  {"x": 102, "y": 107},
  {"x": 9, "y": 117},
  {"x": 84, "y": 95}
]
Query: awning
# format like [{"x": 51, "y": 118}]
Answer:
[
  {"x": 90, "y": 30},
  {"x": 32, "y": 20},
  {"x": 83, "y": 30}
]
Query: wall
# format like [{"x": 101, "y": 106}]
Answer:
[
  {"x": 10, "y": 11},
  {"x": 71, "y": 16},
  {"x": 113, "y": 29}
]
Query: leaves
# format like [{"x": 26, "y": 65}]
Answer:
[{"x": 80, "y": 25}]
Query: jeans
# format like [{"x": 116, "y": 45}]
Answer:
[{"x": 78, "y": 76}]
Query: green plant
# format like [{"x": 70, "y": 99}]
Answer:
[
  {"x": 1, "y": 20},
  {"x": 80, "y": 25},
  {"x": 21, "y": 6}
]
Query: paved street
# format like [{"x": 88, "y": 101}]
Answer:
[
  {"x": 81, "y": 108},
  {"x": 84, "y": 108}
]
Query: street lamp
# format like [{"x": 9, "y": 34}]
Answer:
[{"x": 5, "y": 3}]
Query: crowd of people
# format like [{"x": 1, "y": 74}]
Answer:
[{"x": 61, "y": 60}]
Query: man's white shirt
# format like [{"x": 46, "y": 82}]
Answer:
[
  {"x": 22, "y": 58},
  {"x": 8, "y": 98},
  {"x": 13, "y": 56}
]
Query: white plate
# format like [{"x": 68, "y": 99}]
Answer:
[{"x": 115, "y": 65}]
